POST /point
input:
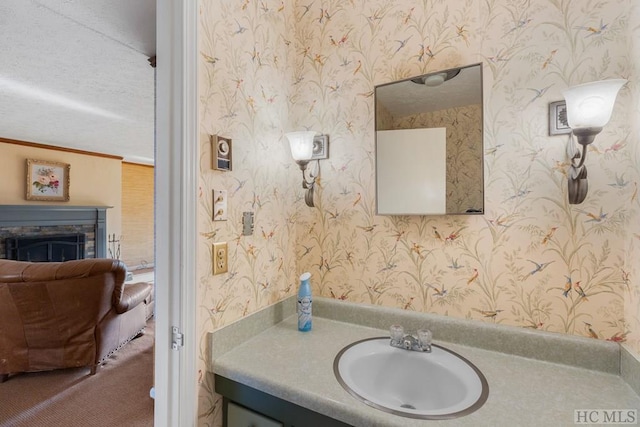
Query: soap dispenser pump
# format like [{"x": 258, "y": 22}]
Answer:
[{"x": 304, "y": 303}]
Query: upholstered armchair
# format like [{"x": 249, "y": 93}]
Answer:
[{"x": 66, "y": 314}]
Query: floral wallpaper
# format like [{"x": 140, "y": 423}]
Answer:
[
  {"x": 245, "y": 78},
  {"x": 631, "y": 275},
  {"x": 532, "y": 260}
]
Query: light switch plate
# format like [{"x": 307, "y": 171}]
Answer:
[{"x": 219, "y": 205}]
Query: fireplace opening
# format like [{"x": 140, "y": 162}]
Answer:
[{"x": 52, "y": 248}]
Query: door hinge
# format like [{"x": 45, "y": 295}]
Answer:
[{"x": 177, "y": 338}]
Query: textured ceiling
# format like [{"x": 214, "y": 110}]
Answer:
[
  {"x": 76, "y": 74},
  {"x": 406, "y": 98}
]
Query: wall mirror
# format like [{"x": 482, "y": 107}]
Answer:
[{"x": 429, "y": 144}]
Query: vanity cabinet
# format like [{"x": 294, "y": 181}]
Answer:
[
  {"x": 244, "y": 406},
  {"x": 242, "y": 417}
]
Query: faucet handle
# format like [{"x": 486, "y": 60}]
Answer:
[
  {"x": 424, "y": 338},
  {"x": 396, "y": 332}
]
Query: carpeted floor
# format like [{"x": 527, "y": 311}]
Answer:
[{"x": 118, "y": 395}]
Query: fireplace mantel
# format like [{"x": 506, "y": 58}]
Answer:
[{"x": 45, "y": 215}]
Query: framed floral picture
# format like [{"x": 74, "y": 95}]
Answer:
[{"x": 48, "y": 181}]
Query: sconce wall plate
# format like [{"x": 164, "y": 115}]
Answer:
[
  {"x": 221, "y": 153},
  {"x": 558, "y": 124},
  {"x": 320, "y": 147}
]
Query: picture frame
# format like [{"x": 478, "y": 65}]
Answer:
[
  {"x": 47, "y": 181},
  {"x": 558, "y": 124}
]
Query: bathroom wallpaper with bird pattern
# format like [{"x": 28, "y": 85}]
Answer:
[{"x": 267, "y": 67}]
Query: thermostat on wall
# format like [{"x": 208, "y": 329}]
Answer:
[{"x": 221, "y": 148}]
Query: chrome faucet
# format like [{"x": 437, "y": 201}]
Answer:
[{"x": 409, "y": 342}]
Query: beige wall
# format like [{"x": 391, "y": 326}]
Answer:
[
  {"x": 94, "y": 180},
  {"x": 631, "y": 275},
  {"x": 137, "y": 239},
  {"x": 483, "y": 267},
  {"x": 245, "y": 92}
]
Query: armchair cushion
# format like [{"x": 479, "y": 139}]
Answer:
[
  {"x": 133, "y": 294},
  {"x": 65, "y": 314}
]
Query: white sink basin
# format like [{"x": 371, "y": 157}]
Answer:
[{"x": 436, "y": 385}]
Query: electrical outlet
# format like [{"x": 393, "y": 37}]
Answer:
[{"x": 220, "y": 258}]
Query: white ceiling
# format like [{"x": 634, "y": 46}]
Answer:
[
  {"x": 406, "y": 98},
  {"x": 75, "y": 73}
]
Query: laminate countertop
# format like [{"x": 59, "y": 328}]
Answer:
[{"x": 523, "y": 391}]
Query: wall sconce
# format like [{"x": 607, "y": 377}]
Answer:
[
  {"x": 305, "y": 147},
  {"x": 589, "y": 108}
]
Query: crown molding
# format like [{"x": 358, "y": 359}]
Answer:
[{"x": 53, "y": 147}]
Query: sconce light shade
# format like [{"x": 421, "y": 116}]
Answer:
[
  {"x": 589, "y": 105},
  {"x": 302, "y": 151},
  {"x": 589, "y": 108},
  {"x": 301, "y": 144}
]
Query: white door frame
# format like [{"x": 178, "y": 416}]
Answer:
[{"x": 176, "y": 178}]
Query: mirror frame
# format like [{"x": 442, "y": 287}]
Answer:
[{"x": 482, "y": 166}]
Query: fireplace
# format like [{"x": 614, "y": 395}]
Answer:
[
  {"x": 87, "y": 225},
  {"x": 56, "y": 248}
]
